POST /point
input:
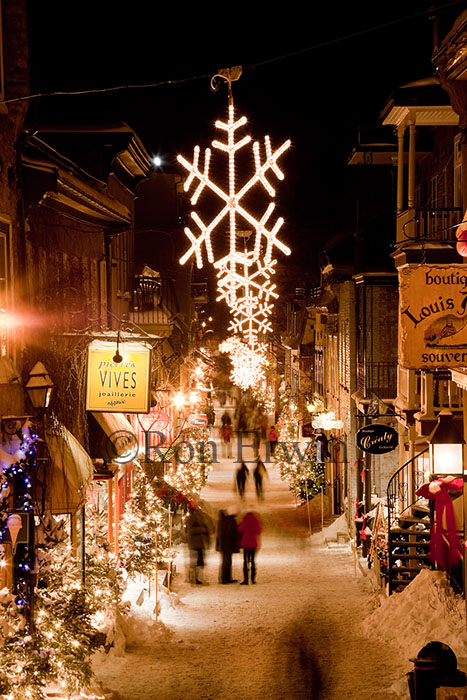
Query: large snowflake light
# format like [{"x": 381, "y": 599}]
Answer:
[{"x": 244, "y": 276}]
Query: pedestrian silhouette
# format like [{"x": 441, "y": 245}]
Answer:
[
  {"x": 198, "y": 534},
  {"x": 250, "y": 530},
  {"x": 241, "y": 477},
  {"x": 226, "y": 544},
  {"x": 226, "y": 440},
  {"x": 259, "y": 473},
  {"x": 272, "y": 439}
]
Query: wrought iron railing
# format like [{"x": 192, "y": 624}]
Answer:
[
  {"x": 400, "y": 494},
  {"x": 434, "y": 223},
  {"x": 399, "y": 491}
]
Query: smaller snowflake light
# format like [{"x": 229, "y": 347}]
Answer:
[{"x": 248, "y": 365}]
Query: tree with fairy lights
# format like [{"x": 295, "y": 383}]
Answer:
[
  {"x": 193, "y": 462},
  {"x": 297, "y": 461},
  {"x": 144, "y": 530},
  {"x": 46, "y": 640},
  {"x": 103, "y": 576},
  {"x": 63, "y": 610},
  {"x": 57, "y": 647}
]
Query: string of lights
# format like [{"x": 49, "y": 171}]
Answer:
[{"x": 253, "y": 66}]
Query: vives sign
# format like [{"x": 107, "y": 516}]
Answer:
[
  {"x": 118, "y": 387},
  {"x": 433, "y": 316},
  {"x": 377, "y": 439}
]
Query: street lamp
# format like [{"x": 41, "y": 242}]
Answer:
[
  {"x": 39, "y": 387},
  {"x": 446, "y": 446}
]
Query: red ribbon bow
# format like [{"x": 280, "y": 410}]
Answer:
[{"x": 445, "y": 545}]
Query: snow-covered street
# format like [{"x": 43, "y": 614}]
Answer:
[{"x": 295, "y": 634}]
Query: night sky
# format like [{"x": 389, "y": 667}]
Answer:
[{"x": 344, "y": 66}]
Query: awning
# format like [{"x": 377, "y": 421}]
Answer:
[
  {"x": 71, "y": 472},
  {"x": 119, "y": 431}
]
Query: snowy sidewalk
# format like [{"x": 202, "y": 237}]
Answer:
[{"x": 295, "y": 634}]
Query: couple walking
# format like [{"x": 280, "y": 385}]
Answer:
[
  {"x": 258, "y": 474},
  {"x": 231, "y": 538}
]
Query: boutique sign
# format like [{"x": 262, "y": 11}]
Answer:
[
  {"x": 118, "y": 387},
  {"x": 433, "y": 316},
  {"x": 377, "y": 439}
]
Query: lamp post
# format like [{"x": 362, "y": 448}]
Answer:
[
  {"x": 446, "y": 447},
  {"x": 39, "y": 389}
]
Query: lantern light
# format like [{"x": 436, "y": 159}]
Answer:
[
  {"x": 446, "y": 446},
  {"x": 39, "y": 387}
]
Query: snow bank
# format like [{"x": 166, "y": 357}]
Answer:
[
  {"x": 330, "y": 532},
  {"x": 142, "y": 622},
  {"x": 427, "y": 610}
]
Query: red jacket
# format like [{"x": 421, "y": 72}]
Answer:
[{"x": 250, "y": 529}]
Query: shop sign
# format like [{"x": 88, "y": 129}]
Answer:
[
  {"x": 377, "y": 439},
  {"x": 118, "y": 387},
  {"x": 199, "y": 421},
  {"x": 433, "y": 316}
]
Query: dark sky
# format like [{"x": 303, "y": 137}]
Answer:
[{"x": 318, "y": 98}]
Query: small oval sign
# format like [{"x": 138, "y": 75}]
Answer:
[
  {"x": 199, "y": 421},
  {"x": 377, "y": 438}
]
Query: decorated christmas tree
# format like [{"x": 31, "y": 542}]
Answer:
[
  {"x": 103, "y": 576},
  {"x": 297, "y": 461},
  {"x": 144, "y": 530},
  {"x": 53, "y": 645},
  {"x": 194, "y": 459},
  {"x": 63, "y": 627}
]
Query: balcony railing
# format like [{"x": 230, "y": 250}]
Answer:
[
  {"x": 378, "y": 378},
  {"x": 423, "y": 223},
  {"x": 148, "y": 308}
]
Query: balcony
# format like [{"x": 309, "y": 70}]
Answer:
[
  {"x": 428, "y": 224},
  {"x": 148, "y": 309},
  {"x": 378, "y": 378}
]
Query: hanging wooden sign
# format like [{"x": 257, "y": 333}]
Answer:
[
  {"x": 433, "y": 316},
  {"x": 118, "y": 387},
  {"x": 377, "y": 439}
]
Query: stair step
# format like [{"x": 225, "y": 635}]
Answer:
[
  {"x": 403, "y": 543},
  {"x": 413, "y": 520},
  {"x": 409, "y": 556},
  {"x": 407, "y": 569},
  {"x": 421, "y": 509},
  {"x": 405, "y": 531}
]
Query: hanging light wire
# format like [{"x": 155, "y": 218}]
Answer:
[{"x": 253, "y": 66}]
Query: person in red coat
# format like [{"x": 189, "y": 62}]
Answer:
[{"x": 250, "y": 530}]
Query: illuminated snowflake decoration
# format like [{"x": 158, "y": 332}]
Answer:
[
  {"x": 248, "y": 365},
  {"x": 244, "y": 276}
]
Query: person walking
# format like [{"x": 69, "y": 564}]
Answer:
[
  {"x": 250, "y": 530},
  {"x": 272, "y": 439},
  {"x": 226, "y": 544},
  {"x": 198, "y": 534},
  {"x": 241, "y": 477},
  {"x": 259, "y": 473},
  {"x": 226, "y": 440}
]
